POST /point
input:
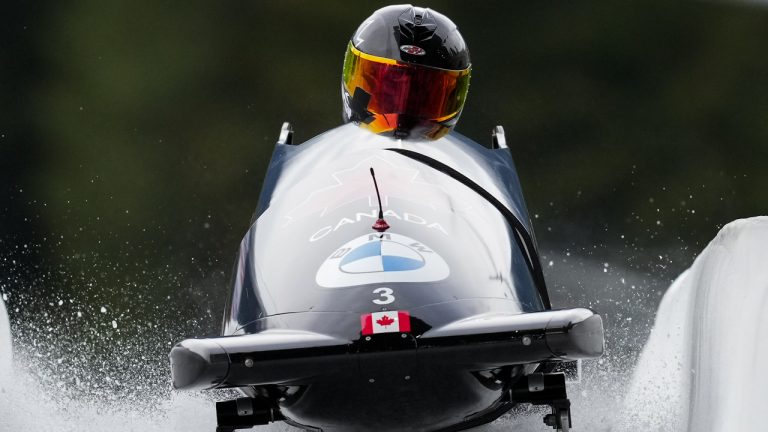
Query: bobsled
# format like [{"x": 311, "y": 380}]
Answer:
[{"x": 388, "y": 285}]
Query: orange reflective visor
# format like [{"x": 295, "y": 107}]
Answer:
[{"x": 404, "y": 88}]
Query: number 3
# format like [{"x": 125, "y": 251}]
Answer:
[{"x": 386, "y": 296}]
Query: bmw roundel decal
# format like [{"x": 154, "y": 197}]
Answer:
[
  {"x": 381, "y": 256},
  {"x": 375, "y": 258}
]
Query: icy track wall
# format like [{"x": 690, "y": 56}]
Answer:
[
  {"x": 703, "y": 366},
  {"x": 6, "y": 357}
]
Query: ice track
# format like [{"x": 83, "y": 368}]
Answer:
[{"x": 700, "y": 370}]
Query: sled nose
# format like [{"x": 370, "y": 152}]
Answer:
[
  {"x": 269, "y": 357},
  {"x": 198, "y": 363}
]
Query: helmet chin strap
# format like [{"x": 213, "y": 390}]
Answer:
[{"x": 401, "y": 133}]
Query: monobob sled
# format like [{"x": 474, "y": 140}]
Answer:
[{"x": 389, "y": 285}]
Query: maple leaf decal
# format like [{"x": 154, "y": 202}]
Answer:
[{"x": 385, "y": 321}]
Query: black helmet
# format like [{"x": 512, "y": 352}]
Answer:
[{"x": 406, "y": 73}]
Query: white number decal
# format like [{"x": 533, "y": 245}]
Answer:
[{"x": 386, "y": 296}]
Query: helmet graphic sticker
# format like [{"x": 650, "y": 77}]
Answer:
[{"x": 412, "y": 49}]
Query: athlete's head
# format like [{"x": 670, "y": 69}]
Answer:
[{"x": 406, "y": 73}]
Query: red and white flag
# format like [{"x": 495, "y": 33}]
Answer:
[{"x": 386, "y": 322}]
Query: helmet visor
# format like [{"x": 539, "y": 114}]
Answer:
[{"x": 400, "y": 88}]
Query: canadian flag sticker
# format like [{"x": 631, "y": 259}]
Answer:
[{"x": 386, "y": 322}]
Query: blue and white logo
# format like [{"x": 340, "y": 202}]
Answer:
[
  {"x": 374, "y": 258},
  {"x": 381, "y": 256}
]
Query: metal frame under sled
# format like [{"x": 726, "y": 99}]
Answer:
[{"x": 546, "y": 389}]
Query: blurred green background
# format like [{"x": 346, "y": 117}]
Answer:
[{"x": 134, "y": 137}]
